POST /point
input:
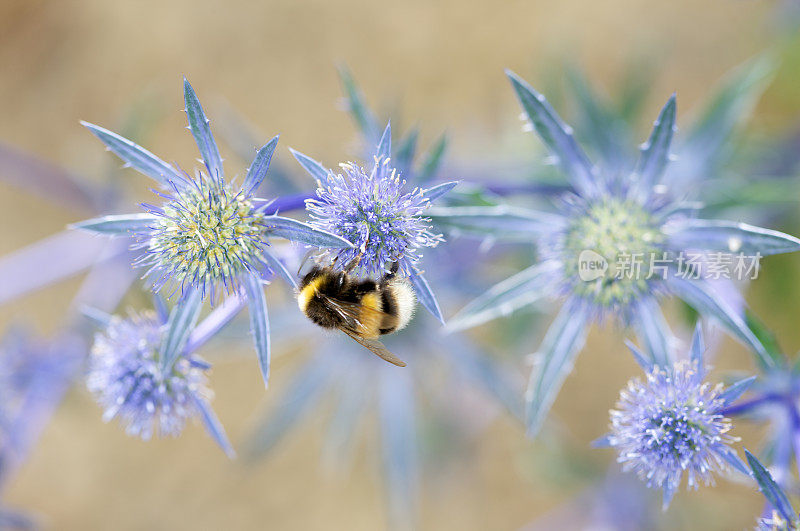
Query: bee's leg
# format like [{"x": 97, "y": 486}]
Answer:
[
  {"x": 306, "y": 258},
  {"x": 395, "y": 267},
  {"x": 354, "y": 262}
]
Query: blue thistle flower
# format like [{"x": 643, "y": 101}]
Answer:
[
  {"x": 672, "y": 423},
  {"x": 606, "y": 218},
  {"x": 209, "y": 236},
  {"x": 668, "y": 425},
  {"x": 206, "y": 237},
  {"x": 137, "y": 375},
  {"x": 371, "y": 210},
  {"x": 126, "y": 378}
]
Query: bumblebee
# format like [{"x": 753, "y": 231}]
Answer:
[{"x": 363, "y": 309}]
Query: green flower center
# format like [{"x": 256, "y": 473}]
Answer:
[
  {"x": 612, "y": 252},
  {"x": 208, "y": 235}
]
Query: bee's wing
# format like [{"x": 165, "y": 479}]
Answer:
[
  {"x": 351, "y": 313},
  {"x": 376, "y": 347}
]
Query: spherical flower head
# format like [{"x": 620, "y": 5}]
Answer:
[
  {"x": 668, "y": 425},
  {"x": 205, "y": 237},
  {"x": 371, "y": 210},
  {"x": 125, "y": 377},
  {"x": 606, "y": 250}
]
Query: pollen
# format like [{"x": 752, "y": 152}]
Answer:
[
  {"x": 206, "y": 236},
  {"x": 627, "y": 242}
]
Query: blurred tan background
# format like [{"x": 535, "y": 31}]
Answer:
[{"x": 442, "y": 64}]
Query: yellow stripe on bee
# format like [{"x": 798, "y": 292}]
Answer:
[
  {"x": 371, "y": 321},
  {"x": 307, "y": 293}
]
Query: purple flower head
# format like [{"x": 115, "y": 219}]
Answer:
[
  {"x": 673, "y": 423},
  {"x": 669, "y": 424},
  {"x": 371, "y": 210},
  {"x": 126, "y": 377},
  {"x": 206, "y": 235}
]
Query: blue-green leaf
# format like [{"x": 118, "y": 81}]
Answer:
[
  {"x": 489, "y": 374},
  {"x": 215, "y": 321},
  {"x": 698, "y": 347},
  {"x": 137, "y": 156},
  {"x": 314, "y": 168},
  {"x": 181, "y": 322},
  {"x": 731, "y": 237},
  {"x": 435, "y": 192},
  {"x": 730, "y": 456},
  {"x": 601, "y": 127},
  {"x": 701, "y": 296},
  {"x": 356, "y": 106},
  {"x": 669, "y": 490},
  {"x": 384, "y": 150},
  {"x": 279, "y": 268},
  {"x": 767, "y": 338},
  {"x": 770, "y": 489},
  {"x": 404, "y": 155},
  {"x": 736, "y": 390},
  {"x": 561, "y": 344},
  {"x": 653, "y": 331},
  {"x": 340, "y": 440},
  {"x": 117, "y": 224},
  {"x": 300, "y": 232},
  {"x": 12, "y": 520},
  {"x": 731, "y": 103},
  {"x": 214, "y": 426},
  {"x": 513, "y": 293},
  {"x": 303, "y": 391},
  {"x": 433, "y": 160},
  {"x": 199, "y": 126},
  {"x": 258, "y": 169},
  {"x": 426, "y": 296},
  {"x": 99, "y": 318},
  {"x": 556, "y": 136},
  {"x": 502, "y": 222},
  {"x": 259, "y": 322},
  {"x": 160, "y": 306},
  {"x": 655, "y": 152},
  {"x": 398, "y": 444},
  {"x": 645, "y": 362},
  {"x": 602, "y": 442}
]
